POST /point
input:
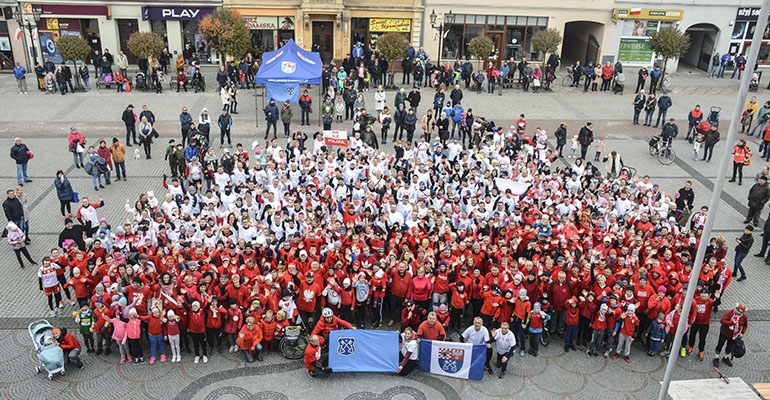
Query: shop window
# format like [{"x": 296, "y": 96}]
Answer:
[
  {"x": 452, "y": 42},
  {"x": 159, "y": 28},
  {"x": 531, "y": 53},
  {"x": 460, "y": 19},
  {"x": 514, "y": 39},
  {"x": 471, "y": 31}
]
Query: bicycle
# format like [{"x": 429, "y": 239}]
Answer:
[
  {"x": 294, "y": 342},
  {"x": 545, "y": 336},
  {"x": 665, "y": 154},
  {"x": 568, "y": 81}
]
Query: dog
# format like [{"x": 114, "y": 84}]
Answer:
[{"x": 137, "y": 154}]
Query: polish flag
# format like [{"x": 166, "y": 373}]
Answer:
[
  {"x": 635, "y": 11},
  {"x": 18, "y": 33},
  {"x": 435, "y": 35}
]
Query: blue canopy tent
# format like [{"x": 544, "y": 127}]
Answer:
[{"x": 283, "y": 70}]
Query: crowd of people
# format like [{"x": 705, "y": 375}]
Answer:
[{"x": 476, "y": 236}]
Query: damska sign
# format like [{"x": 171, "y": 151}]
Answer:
[{"x": 175, "y": 13}]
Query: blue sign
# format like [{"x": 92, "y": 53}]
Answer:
[{"x": 363, "y": 351}]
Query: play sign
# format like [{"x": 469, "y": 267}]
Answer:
[
  {"x": 336, "y": 138},
  {"x": 175, "y": 13}
]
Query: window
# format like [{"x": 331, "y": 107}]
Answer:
[
  {"x": 453, "y": 42},
  {"x": 359, "y": 28},
  {"x": 471, "y": 31},
  {"x": 159, "y": 28}
]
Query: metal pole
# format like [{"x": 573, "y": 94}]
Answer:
[
  {"x": 440, "y": 36},
  {"x": 32, "y": 39},
  {"x": 715, "y": 196}
]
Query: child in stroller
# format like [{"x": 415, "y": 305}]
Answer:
[
  {"x": 478, "y": 79},
  {"x": 50, "y": 82},
  {"x": 619, "y": 83},
  {"x": 713, "y": 118}
]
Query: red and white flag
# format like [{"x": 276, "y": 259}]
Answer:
[
  {"x": 435, "y": 35},
  {"x": 18, "y": 33},
  {"x": 635, "y": 11}
]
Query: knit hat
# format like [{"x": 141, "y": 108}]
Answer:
[
  {"x": 523, "y": 292},
  {"x": 537, "y": 306},
  {"x": 99, "y": 287},
  {"x": 604, "y": 307},
  {"x": 631, "y": 307},
  {"x": 196, "y": 303},
  {"x": 285, "y": 293},
  {"x": 55, "y": 331},
  {"x": 346, "y": 281},
  {"x": 442, "y": 307},
  {"x": 75, "y": 270},
  {"x": 661, "y": 288},
  {"x": 740, "y": 307},
  {"x": 379, "y": 274},
  {"x": 171, "y": 313}
]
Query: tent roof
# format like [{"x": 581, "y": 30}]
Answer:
[{"x": 290, "y": 64}]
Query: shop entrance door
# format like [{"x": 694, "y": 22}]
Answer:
[
  {"x": 323, "y": 37},
  {"x": 125, "y": 28},
  {"x": 497, "y": 52}
]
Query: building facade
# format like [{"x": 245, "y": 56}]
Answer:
[
  {"x": 331, "y": 27},
  {"x": 511, "y": 24},
  {"x": 108, "y": 25}
]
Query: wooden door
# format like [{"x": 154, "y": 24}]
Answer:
[
  {"x": 497, "y": 52},
  {"x": 323, "y": 38},
  {"x": 125, "y": 28}
]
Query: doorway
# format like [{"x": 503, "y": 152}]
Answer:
[
  {"x": 125, "y": 28},
  {"x": 323, "y": 38},
  {"x": 497, "y": 51},
  {"x": 581, "y": 42},
  {"x": 702, "y": 38}
]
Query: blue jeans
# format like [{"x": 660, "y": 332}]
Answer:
[
  {"x": 713, "y": 72},
  {"x": 21, "y": 173},
  {"x": 661, "y": 114},
  {"x": 739, "y": 264},
  {"x": 736, "y": 69},
  {"x": 78, "y": 158},
  {"x": 95, "y": 178},
  {"x": 249, "y": 356},
  {"x": 760, "y": 124},
  {"x": 156, "y": 341},
  {"x": 85, "y": 83},
  {"x": 721, "y": 73},
  {"x": 637, "y": 111},
  {"x": 570, "y": 333},
  {"x": 648, "y": 117},
  {"x": 120, "y": 167},
  {"x": 491, "y": 86}
]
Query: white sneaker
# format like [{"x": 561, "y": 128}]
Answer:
[
  {"x": 197, "y": 359},
  {"x": 178, "y": 359},
  {"x": 26, "y": 93},
  {"x": 205, "y": 359},
  {"x": 52, "y": 313}
]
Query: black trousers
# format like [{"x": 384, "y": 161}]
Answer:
[{"x": 701, "y": 330}]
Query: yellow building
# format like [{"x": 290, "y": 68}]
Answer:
[{"x": 330, "y": 26}]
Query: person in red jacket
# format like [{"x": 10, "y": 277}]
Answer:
[
  {"x": 250, "y": 340},
  {"x": 103, "y": 328},
  {"x": 459, "y": 299},
  {"x": 411, "y": 315},
  {"x": 571, "y": 324},
  {"x": 155, "y": 333},
  {"x": 215, "y": 317},
  {"x": 329, "y": 322},
  {"x": 196, "y": 327},
  {"x": 399, "y": 286},
  {"x": 69, "y": 345},
  {"x": 703, "y": 306},
  {"x": 734, "y": 324},
  {"x": 307, "y": 297},
  {"x": 625, "y": 329},
  {"x": 233, "y": 323},
  {"x": 316, "y": 362}
]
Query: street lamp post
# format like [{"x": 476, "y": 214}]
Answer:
[
  {"x": 21, "y": 21},
  {"x": 448, "y": 19}
]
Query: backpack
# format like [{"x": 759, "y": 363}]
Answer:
[{"x": 739, "y": 348}]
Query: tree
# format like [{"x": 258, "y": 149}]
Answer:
[
  {"x": 73, "y": 48},
  {"x": 669, "y": 43},
  {"x": 546, "y": 41},
  {"x": 145, "y": 45},
  {"x": 393, "y": 47},
  {"x": 481, "y": 47},
  {"x": 226, "y": 32}
]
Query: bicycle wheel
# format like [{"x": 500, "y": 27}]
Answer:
[
  {"x": 567, "y": 80},
  {"x": 653, "y": 150},
  {"x": 545, "y": 338},
  {"x": 293, "y": 349},
  {"x": 666, "y": 156}
]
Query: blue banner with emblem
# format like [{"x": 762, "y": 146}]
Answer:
[
  {"x": 458, "y": 360},
  {"x": 363, "y": 351},
  {"x": 282, "y": 92}
]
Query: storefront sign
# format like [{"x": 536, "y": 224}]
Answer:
[
  {"x": 638, "y": 13},
  {"x": 389, "y": 25},
  {"x": 268, "y": 23},
  {"x": 175, "y": 13},
  {"x": 747, "y": 14},
  {"x": 635, "y": 50},
  {"x": 53, "y": 9}
]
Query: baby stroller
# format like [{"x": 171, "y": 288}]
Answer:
[
  {"x": 48, "y": 351},
  {"x": 618, "y": 84},
  {"x": 755, "y": 78},
  {"x": 140, "y": 81},
  {"x": 478, "y": 79},
  {"x": 50, "y": 83},
  {"x": 713, "y": 118}
]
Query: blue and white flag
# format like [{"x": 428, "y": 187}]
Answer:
[
  {"x": 363, "y": 351},
  {"x": 283, "y": 91},
  {"x": 458, "y": 360}
]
